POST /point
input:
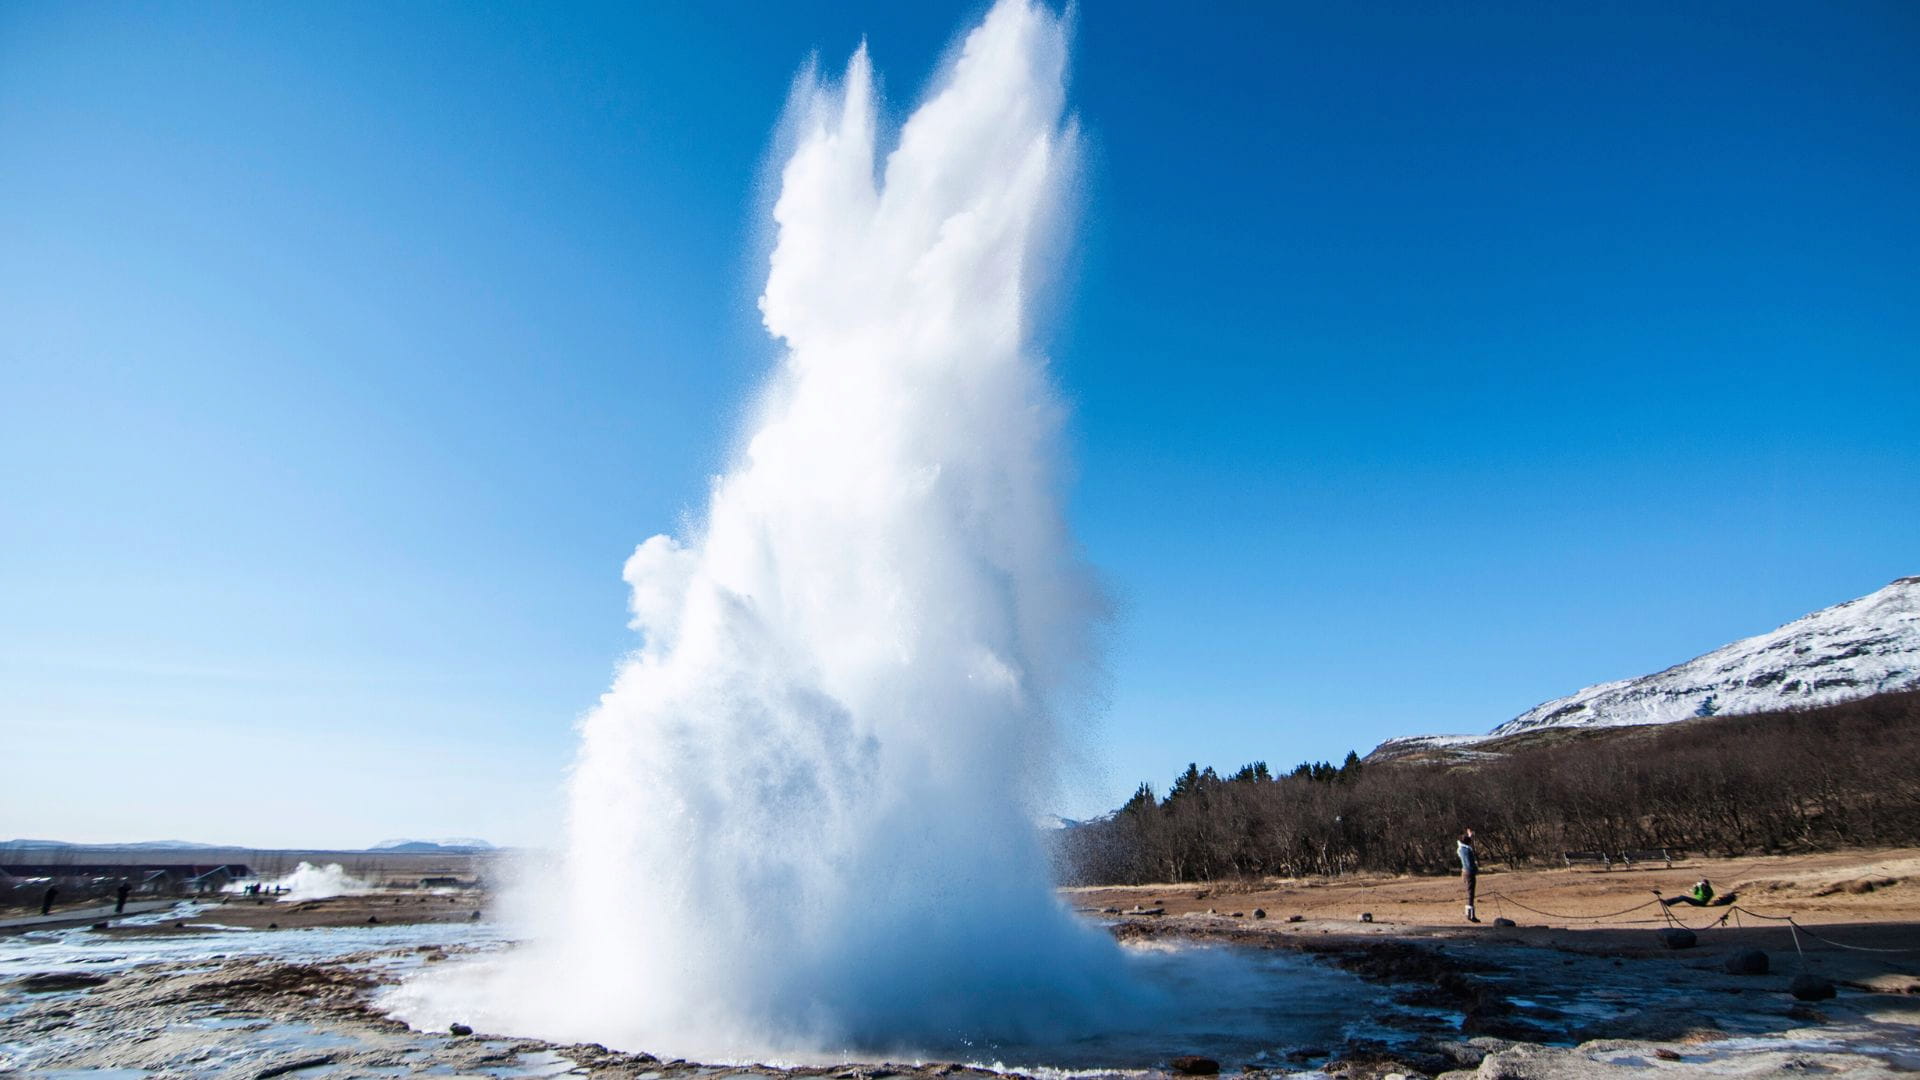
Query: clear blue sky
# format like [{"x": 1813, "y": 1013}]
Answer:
[{"x": 1425, "y": 366}]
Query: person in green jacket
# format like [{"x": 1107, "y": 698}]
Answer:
[{"x": 1699, "y": 896}]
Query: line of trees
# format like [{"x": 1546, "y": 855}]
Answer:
[{"x": 1804, "y": 780}]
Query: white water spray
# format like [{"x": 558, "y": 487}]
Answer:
[
  {"x": 802, "y": 819},
  {"x": 310, "y": 882}
]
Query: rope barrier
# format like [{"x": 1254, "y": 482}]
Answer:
[
  {"x": 1553, "y": 915},
  {"x": 1732, "y": 912},
  {"x": 1721, "y": 921},
  {"x": 1757, "y": 915},
  {"x": 1840, "y": 945}
]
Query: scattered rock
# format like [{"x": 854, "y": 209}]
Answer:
[
  {"x": 1109, "y": 911},
  {"x": 1190, "y": 1065},
  {"x": 1811, "y": 988},
  {"x": 273, "y": 926},
  {"x": 1296, "y": 918},
  {"x": 293, "y": 1066},
  {"x": 1678, "y": 937},
  {"x": 99, "y": 926},
  {"x": 1747, "y": 962},
  {"x": 50, "y": 982},
  {"x": 373, "y": 918},
  {"x": 1806, "y": 1014},
  {"x": 1366, "y": 916},
  {"x": 1239, "y": 914},
  {"x": 1505, "y": 922},
  {"x": 459, "y": 1029},
  {"x": 1259, "y": 913},
  {"x": 1665, "y": 1054}
]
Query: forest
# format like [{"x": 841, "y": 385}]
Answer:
[{"x": 1810, "y": 779}]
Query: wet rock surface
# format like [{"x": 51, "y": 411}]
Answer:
[
  {"x": 52, "y": 982},
  {"x": 1808, "y": 987},
  {"x": 1602, "y": 1004},
  {"x": 1467, "y": 1005},
  {"x": 1679, "y": 938}
]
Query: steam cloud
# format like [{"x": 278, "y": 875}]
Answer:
[
  {"x": 310, "y": 882},
  {"x": 802, "y": 819}
]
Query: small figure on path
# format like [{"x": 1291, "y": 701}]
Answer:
[
  {"x": 120, "y": 898},
  {"x": 46, "y": 902},
  {"x": 1469, "y": 871}
]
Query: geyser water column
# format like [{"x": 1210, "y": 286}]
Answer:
[{"x": 802, "y": 820}]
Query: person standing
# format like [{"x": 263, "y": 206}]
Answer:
[
  {"x": 120, "y": 898},
  {"x": 46, "y": 902},
  {"x": 1469, "y": 870}
]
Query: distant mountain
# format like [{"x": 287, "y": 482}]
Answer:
[
  {"x": 144, "y": 845},
  {"x": 1054, "y": 822},
  {"x": 462, "y": 845},
  {"x": 451, "y": 846},
  {"x": 1850, "y": 650}
]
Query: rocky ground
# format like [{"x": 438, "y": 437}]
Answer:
[
  {"x": 250, "y": 913},
  {"x": 1543, "y": 999}
]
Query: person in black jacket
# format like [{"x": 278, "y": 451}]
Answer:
[{"x": 1469, "y": 870}]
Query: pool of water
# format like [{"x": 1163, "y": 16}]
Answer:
[{"x": 1238, "y": 1006}]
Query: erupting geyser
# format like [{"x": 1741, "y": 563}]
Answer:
[{"x": 802, "y": 819}]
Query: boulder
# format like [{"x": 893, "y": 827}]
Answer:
[
  {"x": 1191, "y": 1065},
  {"x": 1747, "y": 962},
  {"x": 1259, "y": 913},
  {"x": 49, "y": 982},
  {"x": 1811, "y": 987},
  {"x": 1366, "y": 916},
  {"x": 1678, "y": 937},
  {"x": 1505, "y": 922},
  {"x": 459, "y": 1029}
]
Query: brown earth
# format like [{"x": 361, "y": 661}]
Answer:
[
  {"x": 264, "y": 913},
  {"x": 1875, "y": 891}
]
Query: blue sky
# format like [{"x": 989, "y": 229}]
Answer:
[{"x": 1426, "y": 364}]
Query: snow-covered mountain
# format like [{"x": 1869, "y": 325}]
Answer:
[{"x": 1850, "y": 650}]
